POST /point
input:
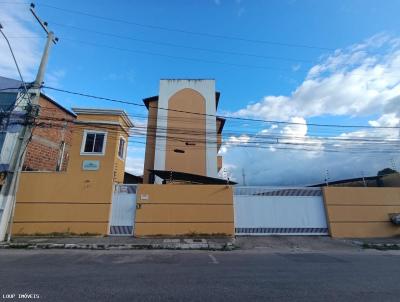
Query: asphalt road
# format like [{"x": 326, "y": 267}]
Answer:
[{"x": 71, "y": 275}]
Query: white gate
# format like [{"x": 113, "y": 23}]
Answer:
[
  {"x": 279, "y": 211},
  {"x": 123, "y": 210}
]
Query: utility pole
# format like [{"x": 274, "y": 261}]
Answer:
[
  {"x": 363, "y": 178},
  {"x": 244, "y": 177},
  {"x": 10, "y": 187},
  {"x": 393, "y": 163},
  {"x": 327, "y": 177}
]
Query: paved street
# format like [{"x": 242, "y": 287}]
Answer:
[{"x": 253, "y": 275}]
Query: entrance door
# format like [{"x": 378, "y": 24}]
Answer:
[{"x": 123, "y": 210}]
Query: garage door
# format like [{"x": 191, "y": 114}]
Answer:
[{"x": 279, "y": 211}]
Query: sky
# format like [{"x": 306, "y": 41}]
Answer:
[{"x": 306, "y": 62}]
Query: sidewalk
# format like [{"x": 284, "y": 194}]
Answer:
[
  {"x": 245, "y": 243},
  {"x": 294, "y": 244},
  {"x": 314, "y": 243},
  {"x": 392, "y": 243},
  {"x": 120, "y": 243}
]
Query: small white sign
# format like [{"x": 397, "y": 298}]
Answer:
[
  {"x": 91, "y": 165},
  {"x": 144, "y": 196}
]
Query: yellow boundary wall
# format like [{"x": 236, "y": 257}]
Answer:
[
  {"x": 184, "y": 209},
  {"x": 51, "y": 202},
  {"x": 361, "y": 212}
]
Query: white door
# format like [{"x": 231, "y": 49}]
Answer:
[{"x": 123, "y": 210}]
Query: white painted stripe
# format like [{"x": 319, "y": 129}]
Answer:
[{"x": 213, "y": 259}]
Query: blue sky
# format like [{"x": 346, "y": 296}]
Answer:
[{"x": 325, "y": 27}]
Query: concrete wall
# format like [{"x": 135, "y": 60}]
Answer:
[
  {"x": 184, "y": 209},
  {"x": 75, "y": 201},
  {"x": 361, "y": 212}
]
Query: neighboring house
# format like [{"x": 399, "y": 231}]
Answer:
[
  {"x": 386, "y": 180},
  {"x": 77, "y": 200},
  {"x": 183, "y": 132},
  {"x": 11, "y": 119},
  {"x": 49, "y": 146}
]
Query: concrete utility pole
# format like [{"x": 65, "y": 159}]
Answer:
[
  {"x": 393, "y": 163},
  {"x": 9, "y": 189},
  {"x": 363, "y": 178},
  {"x": 327, "y": 177}
]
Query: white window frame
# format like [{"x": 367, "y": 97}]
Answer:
[
  {"x": 124, "y": 151},
  {"x": 85, "y": 133}
]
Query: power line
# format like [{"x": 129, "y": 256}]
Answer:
[
  {"x": 176, "y": 57},
  {"x": 226, "y": 117},
  {"x": 255, "y": 138},
  {"x": 182, "y": 46},
  {"x": 189, "y": 128},
  {"x": 170, "y": 29},
  {"x": 250, "y": 144},
  {"x": 15, "y": 60}
]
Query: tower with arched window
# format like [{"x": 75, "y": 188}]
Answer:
[{"x": 183, "y": 132}]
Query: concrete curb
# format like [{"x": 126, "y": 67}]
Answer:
[
  {"x": 153, "y": 246},
  {"x": 378, "y": 246}
]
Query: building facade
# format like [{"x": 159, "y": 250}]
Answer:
[{"x": 183, "y": 132}]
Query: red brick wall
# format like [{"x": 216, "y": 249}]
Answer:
[{"x": 44, "y": 149}]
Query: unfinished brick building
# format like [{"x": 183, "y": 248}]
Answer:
[{"x": 49, "y": 147}]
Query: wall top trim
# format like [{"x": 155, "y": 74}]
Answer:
[{"x": 94, "y": 111}]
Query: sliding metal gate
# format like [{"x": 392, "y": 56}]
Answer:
[
  {"x": 279, "y": 211},
  {"x": 123, "y": 210}
]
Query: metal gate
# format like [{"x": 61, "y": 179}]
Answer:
[
  {"x": 279, "y": 211},
  {"x": 123, "y": 210}
]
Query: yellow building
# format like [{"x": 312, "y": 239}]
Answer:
[{"x": 79, "y": 199}]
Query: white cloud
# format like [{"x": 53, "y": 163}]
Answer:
[
  {"x": 386, "y": 120},
  {"x": 18, "y": 24},
  {"x": 361, "y": 80},
  {"x": 296, "y": 159},
  {"x": 243, "y": 139},
  {"x": 134, "y": 165},
  {"x": 54, "y": 78},
  {"x": 296, "y": 168},
  {"x": 27, "y": 40}
]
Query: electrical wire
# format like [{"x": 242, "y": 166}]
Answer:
[
  {"x": 154, "y": 42},
  {"x": 216, "y": 116},
  {"x": 177, "y": 30},
  {"x": 177, "y": 57},
  {"x": 292, "y": 145},
  {"x": 15, "y": 60}
]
